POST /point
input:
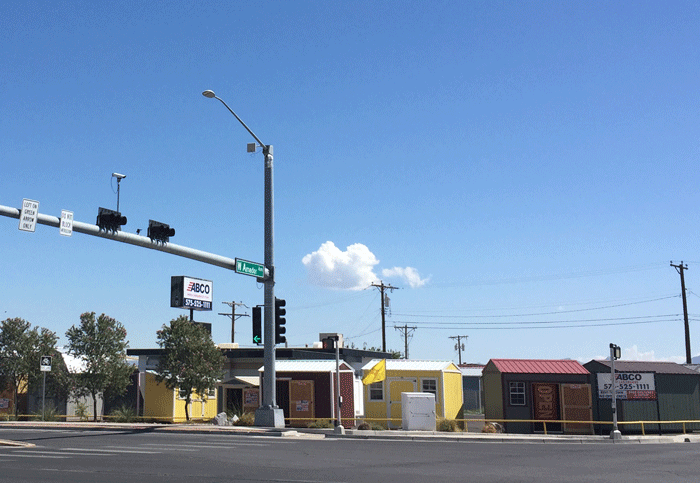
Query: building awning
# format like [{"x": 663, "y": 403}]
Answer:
[{"x": 242, "y": 380}]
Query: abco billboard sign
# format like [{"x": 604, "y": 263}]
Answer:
[{"x": 191, "y": 293}]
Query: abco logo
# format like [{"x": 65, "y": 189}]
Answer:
[{"x": 198, "y": 287}]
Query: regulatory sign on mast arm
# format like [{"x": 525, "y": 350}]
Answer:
[
  {"x": 28, "y": 215},
  {"x": 66, "y": 228}
]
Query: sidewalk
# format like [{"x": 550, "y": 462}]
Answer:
[{"x": 308, "y": 433}]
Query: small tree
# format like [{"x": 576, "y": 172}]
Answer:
[
  {"x": 191, "y": 362},
  {"x": 101, "y": 343},
  {"x": 20, "y": 350}
]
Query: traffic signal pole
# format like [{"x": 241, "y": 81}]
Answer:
[{"x": 130, "y": 238}]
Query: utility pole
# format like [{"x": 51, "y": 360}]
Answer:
[
  {"x": 459, "y": 346},
  {"x": 233, "y": 317},
  {"x": 382, "y": 288},
  {"x": 680, "y": 268},
  {"x": 407, "y": 332}
]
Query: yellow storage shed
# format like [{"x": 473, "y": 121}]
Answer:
[
  {"x": 165, "y": 405},
  {"x": 383, "y": 398}
]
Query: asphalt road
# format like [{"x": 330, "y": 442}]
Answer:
[{"x": 75, "y": 456}]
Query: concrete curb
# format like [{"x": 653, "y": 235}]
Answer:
[{"x": 310, "y": 433}]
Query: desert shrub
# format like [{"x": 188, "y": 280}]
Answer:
[
  {"x": 245, "y": 419},
  {"x": 447, "y": 425},
  {"x": 82, "y": 411},
  {"x": 123, "y": 414},
  {"x": 50, "y": 414},
  {"x": 320, "y": 423}
]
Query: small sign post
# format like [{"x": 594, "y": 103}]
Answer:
[{"x": 45, "y": 366}]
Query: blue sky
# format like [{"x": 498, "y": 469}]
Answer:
[{"x": 523, "y": 172}]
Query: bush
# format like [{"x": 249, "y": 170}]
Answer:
[
  {"x": 245, "y": 419},
  {"x": 370, "y": 427},
  {"x": 320, "y": 423},
  {"x": 50, "y": 414},
  {"x": 447, "y": 425},
  {"x": 123, "y": 414},
  {"x": 82, "y": 411}
]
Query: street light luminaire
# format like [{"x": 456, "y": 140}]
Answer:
[{"x": 209, "y": 94}]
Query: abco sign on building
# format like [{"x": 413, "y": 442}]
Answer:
[
  {"x": 191, "y": 293},
  {"x": 628, "y": 385}
]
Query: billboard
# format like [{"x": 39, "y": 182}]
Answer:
[
  {"x": 191, "y": 293},
  {"x": 628, "y": 385}
]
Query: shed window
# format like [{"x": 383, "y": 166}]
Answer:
[
  {"x": 376, "y": 391},
  {"x": 517, "y": 394},
  {"x": 430, "y": 385}
]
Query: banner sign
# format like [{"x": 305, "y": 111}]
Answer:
[{"x": 628, "y": 385}]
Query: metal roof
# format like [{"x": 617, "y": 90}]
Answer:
[
  {"x": 642, "y": 366},
  {"x": 309, "y": 366},
  {"x": 411, "y": 365},
  {"x": 539, "y": 366},
  {"x": 472, "y": 371}
]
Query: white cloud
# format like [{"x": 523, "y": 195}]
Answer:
[
  {"x": 349, "y": 270},
  {"x": 409, "y": 275}
]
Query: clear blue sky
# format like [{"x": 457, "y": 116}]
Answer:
[{"x": 523, "y": 171}]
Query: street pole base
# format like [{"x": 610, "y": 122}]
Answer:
[
  {"x": 615, "y": 434},
  {"x": 339, "y": 429},
  {"x": 269, "y": 417}
]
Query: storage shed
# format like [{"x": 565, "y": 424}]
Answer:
[
  {"x": 306, "y": 390},
  {"x": 646, "y": 391},
  {"x": 535, "y": 389},
  {"x": 441, "y": 378}
]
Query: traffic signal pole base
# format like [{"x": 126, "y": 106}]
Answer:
[
  {"x": 269, "y": 417},
  {"x": 615, "y": 434}
]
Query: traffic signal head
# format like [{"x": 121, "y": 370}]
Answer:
[
  {"x": 110, "y": 220},
  {"x": 160, "y": 232},
  {"x": 280, "y": 312},
  {"x": 257, "y": 325},
  {"x": 616, "y": 351}
]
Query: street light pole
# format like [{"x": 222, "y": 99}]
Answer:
[{"x": 268, "y": 414}]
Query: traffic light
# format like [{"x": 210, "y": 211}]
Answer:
[
  {"x": 280, "y": 321},
  {"x": 110, "y": 220},
  {"x": 616, "y": 352},
  {"x": 257, "y": 325},
  {"x": 160, "y": 232}
]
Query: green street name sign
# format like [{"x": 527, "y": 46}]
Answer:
[{"x": 250, "y": 268}]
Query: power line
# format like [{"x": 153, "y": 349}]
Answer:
[
  {"x": 539, "y": 313},
  {"x": 481, "y": 327}
]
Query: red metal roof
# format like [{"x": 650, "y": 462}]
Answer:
[{"x": 539, "y": 366}]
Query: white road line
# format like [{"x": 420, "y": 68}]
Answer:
[
  {"x": 206, "y": 445},
  {"x": 35, "y": 455},
  {"x": 99, "y": 450}
]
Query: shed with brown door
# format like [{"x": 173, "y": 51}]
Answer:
[
  {"x": 306, "y": 390},
  {"x": 518, "y": 391}
]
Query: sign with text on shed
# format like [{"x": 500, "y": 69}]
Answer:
[
  {"x": 191, "y": 293},
  {"x": 628, "y": 385},
  {"x": 28, "y": 215}
]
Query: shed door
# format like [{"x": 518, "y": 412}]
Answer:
[
  {"x": 301, "y": 402},
  {"x": 576, "y": 406},
  {"x": 396, "y": 388}
]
